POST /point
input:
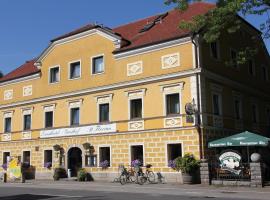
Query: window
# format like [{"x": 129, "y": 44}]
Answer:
[
  {"x": 172, "y": 104},
  {"x": 137, "y": 153},
  {"x": 237, "y": 109},
  {"x": 135, "y": 108},
  {"x": 27, "y": 122},
  {"x": 104, "y": 111},
  {"x": 74, "y": 116},
  {"x": 49, "y": 119},
  {"x": 104, "y": 156},
  {"x": 233, "y": 58},
  {"x": 27, "y": 157},
  {"x": 214, "y": 50},
  {"x": 254, "y": 114},
  {"x": 54, "y": 75},
  {"x": 216, "y": 104},
  {"x": 264, "y": 73},
  {"x": 268, "y": 116},
  {"x": 6, "y": 157},
  {"x": 174, "y": 151},
  {"x": 98, "y": 65},
  {"x": 48, "y": 158},
  {"x": 7, "y": 128},
  {"x": 251, "y": 67},
  {"x": 91, "y": 160},
  {"x": 75, "y": 70}
]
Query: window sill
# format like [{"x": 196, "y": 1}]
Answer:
[
  {"x": 54, "y": 83},
  {"x": 98, "y": 73},
  {"x": 73, "y": 79}
]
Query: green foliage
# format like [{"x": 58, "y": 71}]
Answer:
[
  {"x": 1, "y": 74},
  {"x": 225, "y": 17},
  {"x": 186, "y": 164},
  {"x": 82, "y": 174}
]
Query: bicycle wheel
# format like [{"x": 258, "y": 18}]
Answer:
[
  {"x": 151, "y": 177},
  {"x": 141, "y": 180},
  {"x": 123, "y": 179},
  {"x": 132, "y": 178}
]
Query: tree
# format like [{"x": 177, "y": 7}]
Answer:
[
  {"x": 225, "y": 16},
  {"x": 1, "y": 74}
]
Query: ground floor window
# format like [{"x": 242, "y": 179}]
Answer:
[
  {"x": 174, "y": 151},
  {"x": 91, "y": 160},
  {"x": 136, "y": 154},
  {"x": 104, "y": 156},
  {"x": 48, "y": 155},
  {"x": 6, "y": 156},
  {"x": 27, "y": 157}
]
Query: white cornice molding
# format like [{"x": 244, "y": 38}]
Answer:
[
  {"x": 106, "y": 88},
  {"x": 160, "y": 46},
  {"x": 19, "y": 80},
  {"x": 114, "y": 38}
]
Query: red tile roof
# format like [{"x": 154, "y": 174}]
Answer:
[
  {"x": 26, "y": 69},
  {"x": 167, "y": 29}
]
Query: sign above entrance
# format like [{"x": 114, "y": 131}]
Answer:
[{"x": 84, "y": 130}]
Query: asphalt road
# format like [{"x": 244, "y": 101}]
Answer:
[{"x": 104, "y": 191}]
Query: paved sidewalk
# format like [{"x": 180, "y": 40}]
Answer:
[{"x": 158, "y": 189}]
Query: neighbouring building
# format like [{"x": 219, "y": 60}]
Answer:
[{"x": 145, "y": 90}]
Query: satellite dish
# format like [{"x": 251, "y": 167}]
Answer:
[{"x": 190, "y": 110}]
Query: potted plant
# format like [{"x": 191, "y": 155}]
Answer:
[
  {"x": 59, "y": 173},
  {"x": 82, "y": 175},
  {"x": 188, "y": 165},
  {"x": 136, "y": 163},
  {"x": 5, "y": 166},
  {"x": 48, "y": 165},
  {"x": 104, "y": 164}
]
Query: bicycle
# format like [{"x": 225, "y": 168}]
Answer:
[
  {"x": 147, "y": 176},
  {"x": 127, "y": 176}
]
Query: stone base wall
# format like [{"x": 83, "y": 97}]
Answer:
[{"x": 154, "y": 144}]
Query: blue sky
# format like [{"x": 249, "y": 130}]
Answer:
[{"x": 27, "y": 26}]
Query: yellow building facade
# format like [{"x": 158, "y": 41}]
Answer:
[{"x": 90, "y": 100}]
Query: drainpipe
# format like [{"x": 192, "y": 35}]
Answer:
[{"x": 198, "y": 112}]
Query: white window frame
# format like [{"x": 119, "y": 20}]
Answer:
[
  {"x": 218, "y": 50},
  {"x": 92, "y": 64},
  {"x": 49, "y": 76},
  {"x": 129, "y": 151},
  {"x": 71, "y": 107},
  {"x": 133, "y": 95},
  {"x": 166, "y": 149},
  {"x": 22, "y": 153},
  {"x": 48, "y": 108},
  {"x": 104, "y": 99},
  {"x": 69, "y": 68},
  {"x": 8, "y": 114},
  {"x": 172, "y": 89},
  {"x": 98, "y": 154},
  {"x": 43, "y": 159},
  {"x": 5, "y": 151},
  {"x": 27, "y": 111}
]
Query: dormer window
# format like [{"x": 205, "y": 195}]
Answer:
[
  {"x": 98, "y": 65},
  {"x": 75, "y": 70},
  {"x": 54, "y": 75}
]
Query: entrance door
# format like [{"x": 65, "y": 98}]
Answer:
[{"x": 74, "y": 160}]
